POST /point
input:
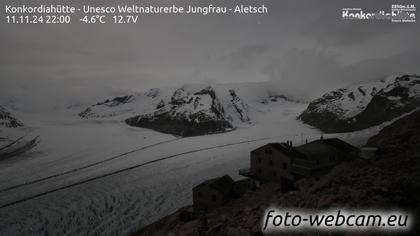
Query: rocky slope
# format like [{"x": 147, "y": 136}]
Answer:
[
  {"x": 364, "y": 105},
  {"x": 190, "y": 110},
  {"x": 388, "y": 181},
  {"x": 405, "y": 132},
  {"x": 8, "y": 120}
]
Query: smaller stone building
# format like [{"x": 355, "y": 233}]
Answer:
[
  {"x": 216, "y": 192},
  {"x": 212, "y": 193}
]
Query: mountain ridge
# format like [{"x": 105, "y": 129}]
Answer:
[{"x": 364, "y": 105}]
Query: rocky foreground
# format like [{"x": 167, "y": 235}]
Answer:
[{"x": 390, "y": 179}]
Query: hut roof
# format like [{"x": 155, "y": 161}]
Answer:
[
  {"x": 222, "y": 184},
  {"x": 286, "y": 149},
  {"x": 326, "y": 147},
  {"x": 341, "y": 145}
]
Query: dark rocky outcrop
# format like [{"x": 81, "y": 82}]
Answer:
[
  {"x": 160, "y": 105},
  {"x": 239, "y": 106}
]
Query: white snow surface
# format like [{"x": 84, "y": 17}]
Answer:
[{"x": 121, "y": 203}]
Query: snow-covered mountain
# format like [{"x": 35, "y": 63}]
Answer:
[
  {"x": 8, "y": 120},
  {"x": 186, "y": 114},
  {"x": 364, "y": 105},
  {"x": 192, "y": 109}
]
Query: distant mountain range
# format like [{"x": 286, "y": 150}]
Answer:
[
  {"x": 364, "y": 105},
  {"x": 197, "y": 109}
]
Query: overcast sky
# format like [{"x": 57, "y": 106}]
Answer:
[{"x": 303, "y": 46}]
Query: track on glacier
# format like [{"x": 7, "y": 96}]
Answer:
[
  {"x": 119, "y": 171},
  {"x": 86, "y": 166}
]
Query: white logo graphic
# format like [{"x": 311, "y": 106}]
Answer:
[{"x": 398, "y": 13}]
